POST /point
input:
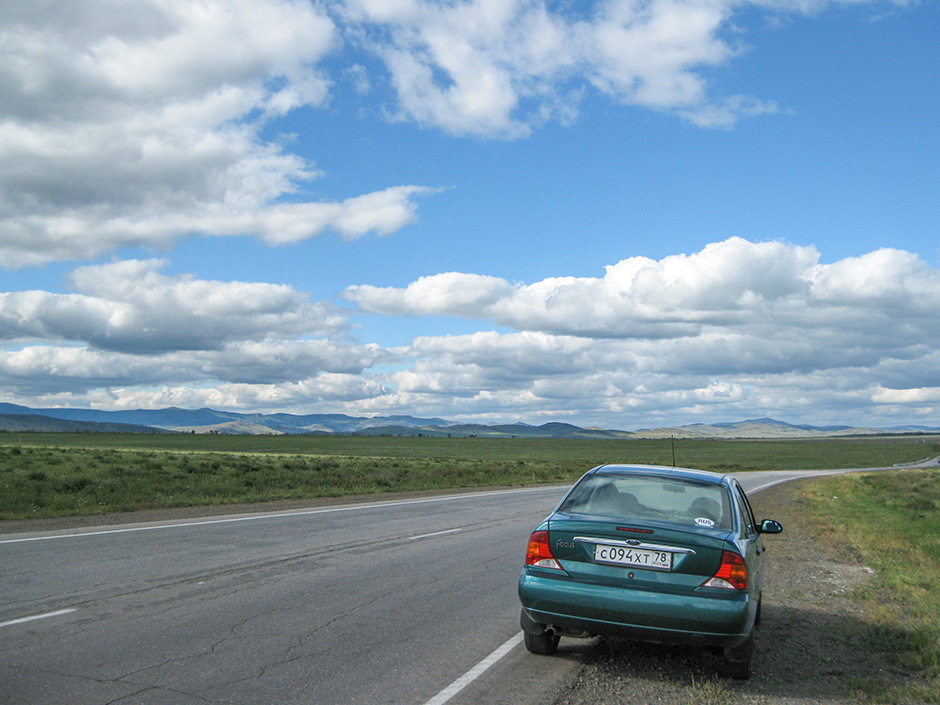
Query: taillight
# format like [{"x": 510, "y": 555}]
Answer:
[
  {"x": 732, "y": 574},
  {"x": 539, "y": 553}
]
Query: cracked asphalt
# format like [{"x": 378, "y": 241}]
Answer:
[{"x": 317, "y": 605}]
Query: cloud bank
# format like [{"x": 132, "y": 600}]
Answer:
[
  {"x": 735, "y": 327},
  {"x": 739, "y": 324}
]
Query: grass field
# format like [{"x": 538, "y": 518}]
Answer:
[
  {"x": 716, "y": 454},
  {"x": 892, "y": 520},
  {"x": 54, "y": 475}
]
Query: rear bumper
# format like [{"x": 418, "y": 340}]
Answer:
[{"x": 705, "y": 619}]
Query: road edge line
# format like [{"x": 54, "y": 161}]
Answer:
[
  {"x": 47, "y": 615},
  {"x": 475, "y": 672}
]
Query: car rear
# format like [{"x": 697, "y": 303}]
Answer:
[{"x": 650, "y": 554}]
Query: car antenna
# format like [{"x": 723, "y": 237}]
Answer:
[{"x": 673, "y": 451}]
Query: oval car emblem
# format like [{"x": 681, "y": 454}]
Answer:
[{"x": 702, "y": 521}]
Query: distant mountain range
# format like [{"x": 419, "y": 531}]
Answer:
[{"x": 173, "y": 420}]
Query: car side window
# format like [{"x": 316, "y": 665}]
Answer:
[{"x": 750, "y": 524}]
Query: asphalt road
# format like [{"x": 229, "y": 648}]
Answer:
[{"x": 408, "y": 602}]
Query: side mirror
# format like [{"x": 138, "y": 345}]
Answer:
[{"x": 769, "y": 526}]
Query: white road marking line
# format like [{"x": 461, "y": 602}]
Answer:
[
  {"x": 275, "y": 515},
  {"x": 807, "y": 474},
  {"x": 436, "y": 533},
  {"x": 475, "y": 672},
  {"x": 22, "y": 620},
  {"x": 769, "y": 484}
]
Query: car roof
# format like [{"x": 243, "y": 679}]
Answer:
[{"x": 704, "y": 476}]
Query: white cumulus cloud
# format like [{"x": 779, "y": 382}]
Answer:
[
  {"x": 732, "y": 286},
  {"x": 735, "y": 327},
  {"x": 136, "y": 125},
  {"x": 498, "y": 68},
  {"x": 131, "y": 307}
]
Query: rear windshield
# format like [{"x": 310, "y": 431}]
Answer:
[{"x": 645, "y": 497}]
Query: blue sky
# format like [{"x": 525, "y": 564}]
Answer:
[{"x": 628, "y": 214}]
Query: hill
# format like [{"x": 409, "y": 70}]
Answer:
[
  {"x": 48, "y": 424},
  {"x": 174, "y": 420}
]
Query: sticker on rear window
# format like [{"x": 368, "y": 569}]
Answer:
[{"x": 702, "y": 521}]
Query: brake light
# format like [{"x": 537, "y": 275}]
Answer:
[
  {"x": 732, "y": 573},
  {"x": 539, "y": 552}
]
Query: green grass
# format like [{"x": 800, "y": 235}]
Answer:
[
  {"x": 711, "y": 691},
  {"x": 50, "y": 475},
  {"x": 718, "y": 455},
  {"x": 892, "y": 520},
  {"x": 37, "y": 482}
]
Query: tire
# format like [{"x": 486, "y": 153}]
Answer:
[
  {"x": 543, "y": 644},
  {"x": 737, "y": 663},
  {"x": 738, "y": 670}
]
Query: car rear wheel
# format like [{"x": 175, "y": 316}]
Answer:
[
  {"x": 544, "y": 643},
  {"x": 737, "y": 662}
]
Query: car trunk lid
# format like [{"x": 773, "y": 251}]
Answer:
[{"x": 656, "y": 556}]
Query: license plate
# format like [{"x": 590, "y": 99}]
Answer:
[{"x": 637, "y": 557}]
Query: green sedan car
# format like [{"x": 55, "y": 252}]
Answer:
[{"x": 649, "y": 553}]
